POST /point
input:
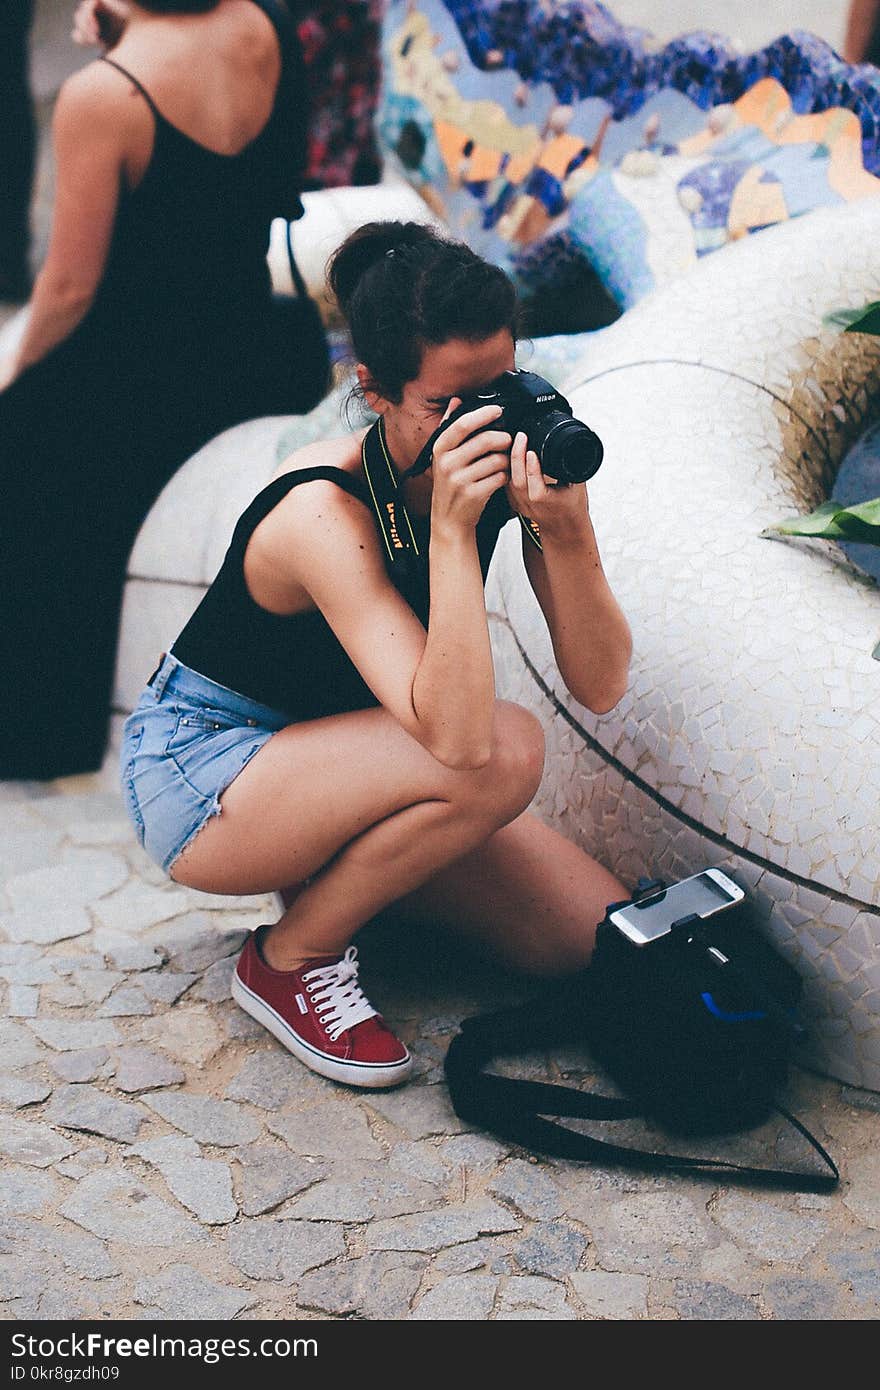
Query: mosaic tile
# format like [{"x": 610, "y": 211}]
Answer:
[{"x": 695, "y": 649}]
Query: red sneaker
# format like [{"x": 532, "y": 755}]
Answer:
[{"x": 320, "y": 1014}]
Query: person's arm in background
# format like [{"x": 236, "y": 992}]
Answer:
[
  {"x": 99, "y": 23},
  {"x": 91, "y": 127},
  {"x": 862, "y": 31}
]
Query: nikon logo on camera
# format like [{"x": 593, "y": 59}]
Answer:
[{"x": 392, "y": 527}]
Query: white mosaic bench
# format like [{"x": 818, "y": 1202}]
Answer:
[{"x": 750, "y": 735}]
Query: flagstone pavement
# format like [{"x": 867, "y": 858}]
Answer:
[{"x": 164, "y": 1157}]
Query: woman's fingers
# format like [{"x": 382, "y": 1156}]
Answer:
[
  {"x": 518, "y": 462},
  {"x": 483, "y": 486},
  {"x": 485, "y": 441},
  {"x": 466, "y": 425},
  {"x": 485, "y": 489},
  {"x": 486, "y": 464},
  {"x": 526, "y": 479},
  {"x": 476, "y": 448},
  {"x": 469, "y": 484},
  {"x": 535, "y": 485},
  {"x": 470, "y": 461}
]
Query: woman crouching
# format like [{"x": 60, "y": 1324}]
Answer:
[{"x": 326, "y": 723}]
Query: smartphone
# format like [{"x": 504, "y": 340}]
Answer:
[{"x": 703, "y": 894}]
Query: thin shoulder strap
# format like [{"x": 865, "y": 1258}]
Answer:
[
  {"x": 332, "y": 475},
  {"x": 272, "y": 494},
  {"x": 140, "y": 86}
]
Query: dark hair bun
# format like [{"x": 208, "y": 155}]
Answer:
[
  {"x": 365, "y": 248},
  {"x": 402, "y": 286}
]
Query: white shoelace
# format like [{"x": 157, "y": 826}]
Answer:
[{"x": 338, "y": 998}]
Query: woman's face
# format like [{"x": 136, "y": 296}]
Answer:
[{"x": 450, "y": 369}]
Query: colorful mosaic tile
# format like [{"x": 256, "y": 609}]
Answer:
[{"x": 549, "y": 136}]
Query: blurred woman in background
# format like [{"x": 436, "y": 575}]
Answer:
[{"x": 150, "y": 330}]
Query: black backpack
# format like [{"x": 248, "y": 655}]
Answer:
[{"x": 696, "y": 1029}]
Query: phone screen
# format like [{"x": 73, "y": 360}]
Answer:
[{"x": 700, "y": 894}]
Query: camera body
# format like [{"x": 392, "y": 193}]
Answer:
[{"x": 567, "y": 449}]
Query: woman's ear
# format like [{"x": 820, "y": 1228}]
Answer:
[{"x": 372, "y": 396}]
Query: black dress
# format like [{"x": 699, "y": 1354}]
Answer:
[{"x": 179, "y": 344}]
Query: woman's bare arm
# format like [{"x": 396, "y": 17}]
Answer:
[
  {"x": 438, "y": 684},
  {"x": 591, "y": 638},
  {"x": 325, "y": 542},
  {"x": 862, "y": 22},
  {"x": 590, "y": 635},
  {"x": 91, "y": 124}
]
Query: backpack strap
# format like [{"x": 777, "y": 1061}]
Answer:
[{"x": 516, "y": 1109}]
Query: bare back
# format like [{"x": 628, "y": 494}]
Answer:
[{"x": 213, "y": 76}]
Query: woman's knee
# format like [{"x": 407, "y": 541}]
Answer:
[{"x": 513, "y": 773}]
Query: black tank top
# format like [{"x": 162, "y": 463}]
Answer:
[
  {"x": 294, "y": 663},
  {"x": 189, "y": 242}
]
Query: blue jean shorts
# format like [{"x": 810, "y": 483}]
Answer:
[{"x": 186, "y": 740}]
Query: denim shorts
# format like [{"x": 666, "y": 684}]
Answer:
[{"x": 186, "y": 740}]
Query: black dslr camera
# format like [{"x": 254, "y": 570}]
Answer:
[{"x": 567, "y": 449}]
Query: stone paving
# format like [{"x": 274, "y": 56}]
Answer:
[{"x": 164, "y": 1157}]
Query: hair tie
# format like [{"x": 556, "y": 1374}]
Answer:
[{"x": 390, "y": 253}]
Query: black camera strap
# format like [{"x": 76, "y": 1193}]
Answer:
[
  {"x": 531, "y": 529},
  {"x": 386, "y": 494},
  {"x": 517, "y": 1109}
]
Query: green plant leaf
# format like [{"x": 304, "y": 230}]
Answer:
[
  {"x": 864, "y": 320},
  {"x": 841, "y": 318},
  {"x": 854, "y": 530},
  {"x": 868, "y": 512},
  {"x": 861, "y": 522},
  {"x": 869, "y": 322},
  {"x": 818, "y": 523},
  {"x": 833, "y": 522}
]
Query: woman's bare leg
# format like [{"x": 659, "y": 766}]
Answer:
[
  {"x": 357, "y": 807},
  {"x": 528, "y": 893}
]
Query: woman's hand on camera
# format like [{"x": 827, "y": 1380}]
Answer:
[
  {"x": 470, "y": 462},
  {"x": 559, "y": 512},
  {"x": 99, "y": 23}
]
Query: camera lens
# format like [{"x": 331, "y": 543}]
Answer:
[{"x": 570, "y": 451}]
